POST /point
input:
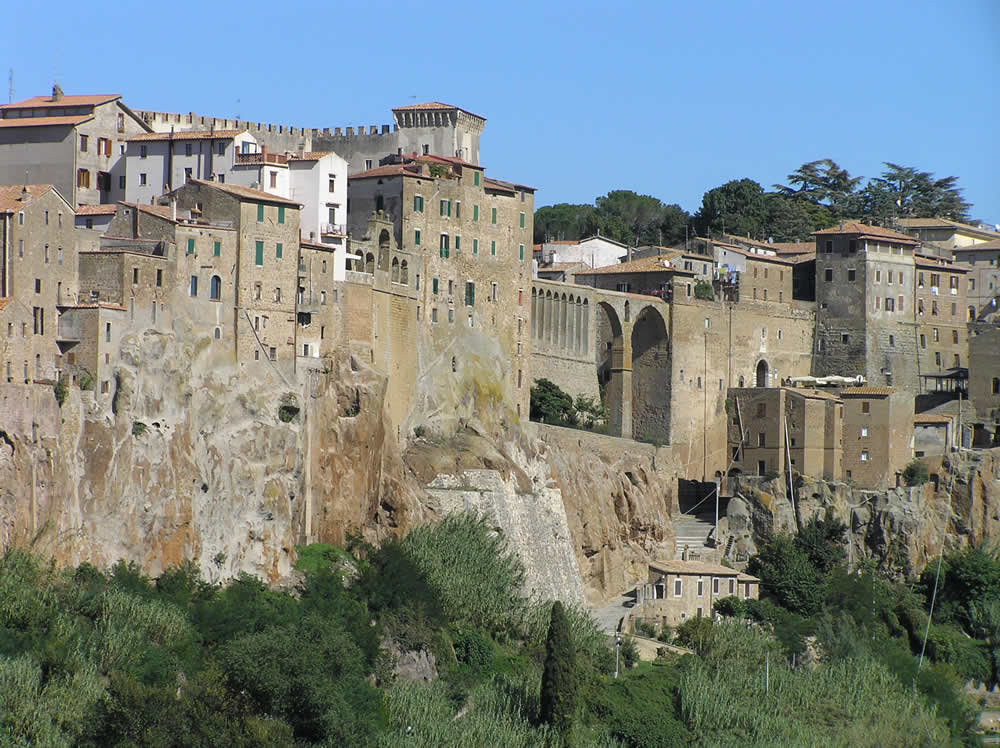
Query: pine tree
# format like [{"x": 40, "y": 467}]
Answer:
[{"x": 558, "y": 697}]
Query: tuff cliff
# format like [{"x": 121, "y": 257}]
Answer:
[
  {"x": 901, "y": 529},
  {"x": 190, "y": 460}
]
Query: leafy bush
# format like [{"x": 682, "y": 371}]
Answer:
[
  {"x": 60, "y": 390},
  {"x": 787, "y": 574},
  {"x": 695, "y": 633},
  {"x": 731, "y": 607},
  {"x": 916, "y": 474},
  {"x": 139, "y": 428},
  {"x": 473, "y": 648},
  {"x": 86, "y": 381},
  {"x": 628, "y": 651},
  {"x": 419, "y": 431},
  {"x": 703, "y": 290},
  {"x": 557, "y": 702},
  {"x": 645, "y": 628},
  {"x": 549, "y": 404}
]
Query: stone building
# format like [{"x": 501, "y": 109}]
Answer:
[
  {"x": 945, "y": 234},
  {"x": 593, "y": 251},
  {"x": 878, "y": 435},
  {"x": 864, "y": 305},
  {"x": 92, "y": 222},
  {"x": 983, "y": 278},
  {"x": 38, "y": 261},
  {"x": 473, "y": 237},
  {"x": 941, "y": 307},
  {"x": 75, "y": 143},
  {"x": 317, "y": 301},
  {"x": 651, "y": 276},
  {"x": 774, "y": 429},
  {"x": 431, "y": 128},
  {"x": 934, "y": 435},
  {"x": 678, "y": 590},
  {"x": 984, "y": 368},
  {"x": 157, "y": 162}
]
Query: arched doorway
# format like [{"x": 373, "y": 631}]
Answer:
[
  {"x": 762, "y": 374},
  {"x": 650, "y": 377},
  {"x": 610, "y": 369}
]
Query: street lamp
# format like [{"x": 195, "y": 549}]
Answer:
[{"x": 618, "y": 649}]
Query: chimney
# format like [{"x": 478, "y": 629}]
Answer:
[
  {"x": 173, "y": 209},
  {"x": 57, "y": 92}
]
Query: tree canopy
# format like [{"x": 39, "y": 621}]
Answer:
[{"x": 622, "y": 215}]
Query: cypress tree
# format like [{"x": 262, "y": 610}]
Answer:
[{"x": 558, "y": 697}]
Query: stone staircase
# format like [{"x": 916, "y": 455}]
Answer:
[{"x": 692, "y": 530}]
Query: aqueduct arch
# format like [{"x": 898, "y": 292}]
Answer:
[{"x": 651, "y": 371}]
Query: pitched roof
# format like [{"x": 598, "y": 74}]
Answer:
[
  {"x": 306, "y": 244},
  {"x": 939, "y": 263},
  {"x": 433, "y": 157},
  {"x": 188, "y": 135},
  {"x": 992, "y": 244},
  {"x": 245, "y": 193},
  {"x": 432, "y": 106},
  {"x": 391, "y": 170},
  {"x": 864, "y": 230},
  {"x": 701, "y": 568},
  {"x": 68, "y": 120},
  {"x": 642, "y": 265},
  {"x": 866, "y": 391},
  {"x": 309, "y": 155},
  {"x": 10, "y": 195},
  {"x": 942, "y": 223},
  {"x": 45, "y": 102},
  {"x": 811, "y": 393},
  {"x": 790, "y": 260},
  {"x": 107, "y": 209},
  {"x": 932, "y": 418}
]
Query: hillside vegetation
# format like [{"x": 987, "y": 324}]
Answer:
[{"x": 111, "y": 658}]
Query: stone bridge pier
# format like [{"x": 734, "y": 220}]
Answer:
[{"x": 606, "y": 344}]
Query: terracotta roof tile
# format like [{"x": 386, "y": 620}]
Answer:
[
  {"x": 701, "y": 568},
  {"x": 432, "y": 106},
  {"x": 188, "y": 135},
  {"x": 932, "y": 418},
  {"x": 391, "y": 170},
  {"x": 992, "y": 244},
  {"x": 245, "y": 193},
  {"x": 643, "y": 265},
  {"x": 811, "y": 393},
  {"x": 96, "y": 210},
  {"x": 861, "y": 229},
  {"x": 309, "y": 155},
  {"x": 5, "y": 301},
  {"x": 939, "y": 263},
  {"x": 790, "y": 260},
  {"x": 865, "y": 391},
  {"x": 10, "y": 195},
  {"x": 41, "y": 102},
  {"x": 71, "y": 119}
]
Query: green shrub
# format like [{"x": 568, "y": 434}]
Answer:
[
  {"x": 628, "y": 651},
  {"x": 703, "y": 290},
  {"x": 695, "y": 633},
  {"x": 139, "y": 428},
  {"x": 61, "y": 391},
  {"x": 549, "y": 404},
  {"x": 731, "y": 607},
  {"x": 916, "y": 474},
  {"x": 86, "y": 381},
  {"x": 419, "y": 431},
  {"x": 288, "y": 413},
  {"x": 473, "y": 648}
]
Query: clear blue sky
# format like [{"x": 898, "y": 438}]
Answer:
[{"x": 665, "y": 98}]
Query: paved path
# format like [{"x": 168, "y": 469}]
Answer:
[
  {"x": 692, "y": 530},
  {"x": 609, "y": 616}
]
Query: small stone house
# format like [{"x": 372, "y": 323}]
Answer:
[{"x": 678, "y": 590}]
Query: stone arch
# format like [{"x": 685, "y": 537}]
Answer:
[
  {"x": 404, "y": 273},
  {"x": 534, "y": 313},
  {"x": 585, "y": 328},
  {"x": 370, "y": 263},
  {"x": 395, "y": 270},
  {"x": 563, "y": 323},
  {"x": 761, "y": 374},
  {"x": 215, "y": 288},
  {"x": 651, "y": 375},
  {"x": 742, "y": 381},
  {"x": 570, "y": 343},
  {"x": 383, "y": 239},
  {"x": 613, "y": 370},
  {"x": 547, "y": 337}
]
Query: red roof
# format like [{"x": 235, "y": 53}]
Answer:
[
  {"x": 68, "y": 120},
  {"x": 44, "y": 102},
  {"x": 96, "y": 210},
  {"x": 875, "y": 232},
  {"x": 391, "y": 170},
  {"x": 993, "y": 244},
  {"x": 10, "y": 195},
  {"x": 245, "y": 193},
  {"x": 188, "y": 135},
  {"x": 433, "y": 106}
]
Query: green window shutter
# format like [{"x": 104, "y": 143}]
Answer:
[
  {"x": 277, "y": 250},
  {"x": 416, "y": 238},
  {"x": 493, "y": 247},
  {"x": 475, "y": 210},
  {"x": 260, "y": 212},
  {"x": 494, "y": 215},
  {"x": 416, "y": 203},
  {"x": 520, "y": 251},
  {"x": 458, "y": 243},
  {"x": 281, "y": 215},
  {"x": 260, "y": 253},
  {"x": 470, "y": 293},
  {"x": 217, "y": 249},
  {"x": 434, "y": 286},
  {"x": 475, "y": 244},
  {"x": 475, "y": 178},
  {"x": 190, "y": 246},
  {"x": 449, "y": 208},
  {"x": 522, "y": 220},
  {"x": 442, "y": 207}
]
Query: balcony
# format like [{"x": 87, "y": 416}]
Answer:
[
  {"x": 333, "y": 229},
  {"x": 68, "y": 330},
  {"x": 262, "y": 157}
]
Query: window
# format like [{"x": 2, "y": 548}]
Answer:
[
  {"x": 995, "y": 386},
  {"x": 888, "y": 278},
  {"x": 851, "y": 274},
  {"x": 829, "y": 246},
  {"x": 418, "y": 203},
  {"x": 256, "y": 291},
  {"x": 187, "y": 173},
  {"x": 59, "y": 256},
  {"x": 83, "y": 178},
  {"x": 864, "y": 455},
  {"x": 761, "y": 439},
  {"x": 281, "y": 208},
  {"x": 470, "y": 293},
  {"x": 458, "y": 209},
  {"x": 494, "y": 292},
  {"x": 890, "y": 304},
  {"x": 475, "y": 246},
  {"x": 277, "y": 293},
  {"x": 259, "y": 254},
  {"x": 220, "y": 149},
  {"x": 107, "y": 332},
  {"x": 260, "y": 212},
  {"x": 954, "y": 336},
  {"x": 368, "y": 164},
  {"x": 446, "y": 208},
  {"x": 443, "y": 246},
  {"x": 864, "y": 432},
  {"x": 493, "y": 220},
  {"x": 852, "y": 246},
  {"x": 923, "y": 341},
  {"x": 434, "y": 286},
  {"x": 216, "y": 249},
  {"x": 878, "y": 276},
  {"x": 845, "y": 338},
  {"x": 135, "y": 276},
  {"x": 761, "y": 410},
  {"x": 451, "y": 287},
  {"x": 215, "y": 288},
  {"x": 678, "y": 587},
  {"x": 715, "y": 586},
  {"x": 956, "y": 360},
  {"x": 416, "y": 238},
  {"x": 451, "y": 316},
  {"x": 83, "y": 143},
  {"x": 143, "y": 151},
  {"x": 866, "y": 407},
  {"x": 522, "y": 220},
  {"x": 38, "y": 285},
  {"x": 332, "y": 183},
  {"x": 187, "y": 149},
  {"x": 937, "y": 334},
  {"x": 193, "y": 290},
  {"x": 493, "y": 248},
  {"x": 475, "y": 178},
  {"x": 434, "y": 314},
  {"x": 701, "y": 588},
  {"x": 190, "y": 246},
  {"x": 828, "y": 275},
  {"x": 892, "y": 340},
  {"x": 273, "y": 353},
  {"x": 732, "y": 586},
  {"x": 458, "y": 243},
  {"x": 159, "y": 277},
  {"x": 142, "y": 180},
  {"x": 475, "y": 211},
  {"x": 277, "y": 251}
]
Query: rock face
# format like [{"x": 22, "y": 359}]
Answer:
[{"x": 901, "y": 530}]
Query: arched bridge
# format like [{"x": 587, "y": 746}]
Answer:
[{"x": 609, "y": 344}]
